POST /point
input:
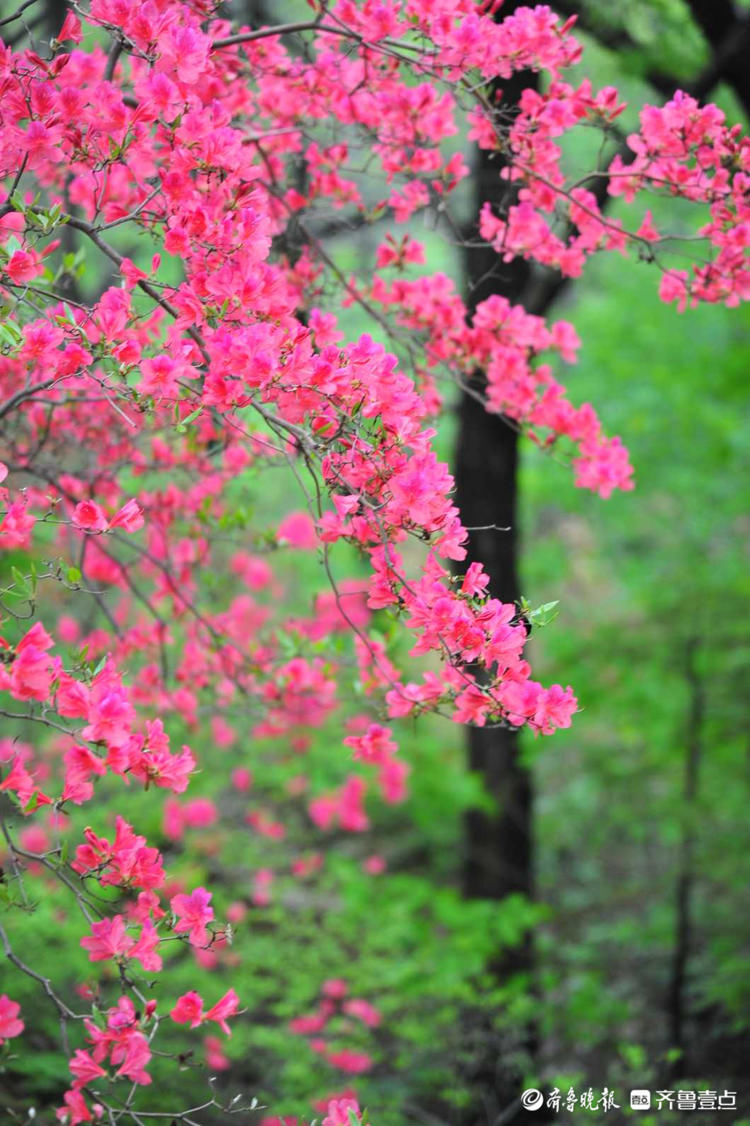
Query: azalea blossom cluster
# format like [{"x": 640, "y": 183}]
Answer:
[
  {"x": 682, "y": 149},
  {"x": 334, "y": 1003},
  {"x": 172, "y": 330}
]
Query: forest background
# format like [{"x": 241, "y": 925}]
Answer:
[{"x": 604, "y": 942}]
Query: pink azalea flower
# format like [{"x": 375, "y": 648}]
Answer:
[
  {"x": 341, "y": 1112},
  {"x": 89, "y": 517},
  {"x": 224, "y": 1008},
  {"x": 108, "y": 939},
  {"x": 353, "y": 1062},
  {"x": 215, "y": 1057},
  {"x": 364, "y": 1011},
  {"x": 298, "y": 530},
  {"x": 84, "y": 1069},
  {"x": 188, "y": 1009},
  {"x": 129, "y": 517},
  {"x": 10, "y": 1025},
  {"x": 193, "y": 914}
]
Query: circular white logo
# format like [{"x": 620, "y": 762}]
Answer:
[{"x": 532, "y": 1099}]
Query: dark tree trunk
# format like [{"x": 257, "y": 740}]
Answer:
[
  {"x": 55, "y": 12},
  {"x": 498, "y": 844},
  {"x": 498, "y": 855},
  {"x": 728, "y": 35}
]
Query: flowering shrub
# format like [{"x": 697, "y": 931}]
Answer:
[{"x": 195, "y": 165}]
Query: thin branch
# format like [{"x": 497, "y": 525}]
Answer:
[
  {"x": 7, "y": 207},
  {"x": 27, "y": 393},
  {"x": 266, "y": 32},
  {"x": 17, "y": 14},
  {"x": 45, "y": 983}
]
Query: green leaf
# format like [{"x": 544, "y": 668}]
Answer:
[
  {"x": 32, "y": 803},
  {"x": 182, "y": 426},
  {"x": 544, "y": 614},
  {"x": 10, "y": 333},
  {"x": 21, "y": 582}
]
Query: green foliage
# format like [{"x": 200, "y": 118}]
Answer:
[{"x": 644, "y": 581}]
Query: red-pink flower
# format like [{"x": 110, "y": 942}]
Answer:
[
  {"x": 145, "y": 949},
  {"x": 71, "y": 28},
  {"x": 129, "y": 517},
  {"x": 20, "y": 782},
  {"x": 155, "y": 763},
  {"x": 84, "y": 1069},
  {"x": 108, "y": 939},
  {"x": 130, "y": 1055},
  {"x": 334, "y": 987},
  {"x": 364, "y": 1011},
  {"x": 353, "y": 1062},
  {"x": 10, "y": 1025},
  {"x": 127, "y": 862},
  {"x": 298, "y": 530},
  {"x": 110, "y": 713},
  {"x": 23, "y": 266},
  {"x": 31, "y": 671},
  {"x": 16, "y": 526},
  {"x": 215, "y": 1056},
  {"x": 89, "y": 517},
  {"x": 376, "y": 745},
  {"x": 307, "y": 1025},
  {"x": 189, "y": 1010},
  {"x": 76, "y": 1109},
  {"x": 342, "y": 1112},
  {"x": 224, "y": 1008},
  {"x": 193, "y": 914},
  {"x": 242, "y": 779},
  {"x": 81, "y": 765}
]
